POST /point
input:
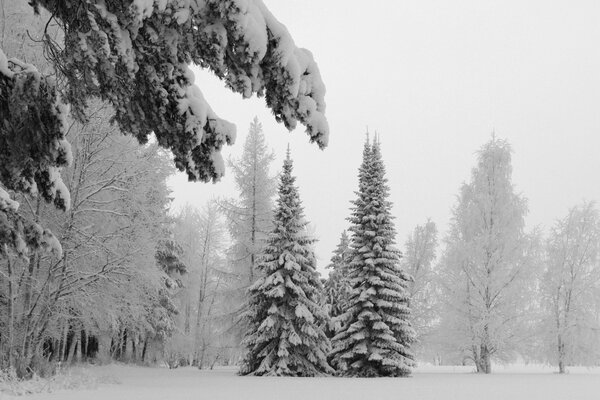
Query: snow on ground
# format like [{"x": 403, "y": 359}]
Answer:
[{"x": 440, "y": 383}]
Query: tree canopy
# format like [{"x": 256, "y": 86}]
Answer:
[{"x": 136, "y": 55}]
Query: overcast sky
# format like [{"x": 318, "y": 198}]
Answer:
[{"x": 434, "y": 78}]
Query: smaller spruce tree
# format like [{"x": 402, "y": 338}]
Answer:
[
  {"x": 337, "y": 286},
  {"x": 285, "y": 335},
  {"x": 376, "y": 332}
]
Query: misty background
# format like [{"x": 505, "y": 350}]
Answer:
[{"x": 434, "y": 79}]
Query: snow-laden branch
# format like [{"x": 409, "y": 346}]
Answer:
[{"x": 137, "y": 54}]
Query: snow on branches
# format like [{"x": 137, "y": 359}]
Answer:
[
  {"x": 285, "y": 334},
  {"x": 376, "y": 335},
  {"x": 32, "y": 132},
  {"x": 32, "y": 139},
  {"x": 136, "y": 54}
]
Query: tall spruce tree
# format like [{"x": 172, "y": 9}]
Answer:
[
  {"x": 285, "y": 319},
  {"x": 376, "y": 332},
  {"x": 337, "y": 286}
]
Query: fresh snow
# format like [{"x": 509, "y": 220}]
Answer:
[
  {"x": 6, "y": 203},
  {"x": 526, "y": 382}
]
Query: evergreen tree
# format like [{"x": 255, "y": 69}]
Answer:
[
  {"x": 285, "y": 335},
  {"x": 337, "y": 286},
  {"x": 376, "y": 332}
]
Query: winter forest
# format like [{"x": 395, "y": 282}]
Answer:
[{"x": 163, "y": 236}]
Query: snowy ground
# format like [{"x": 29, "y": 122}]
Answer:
[{"x": 445, "y": 383}]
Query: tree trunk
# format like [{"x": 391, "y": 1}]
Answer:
[
  {"x": 123, "y": 345},
  {"x": 133, "y": 357},
  {"x": 63, "y": 354},
  {"x": 486, "y": 365},
  {"x": 198, "y": 332},
  {"x": 72, "y": 348},
  {"x": 84, "y": 345},
  {"x": 11, "y": 310},
  {"x": 485, "y": 353},
  {"x": 144, "y": 349},
  {"x": 561, "y": 355}
]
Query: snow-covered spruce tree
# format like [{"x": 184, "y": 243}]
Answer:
[
  {"x": 337, "y": 286},
  {"x": 376, "y": 332},
  {"x": 285, "y": 335}
]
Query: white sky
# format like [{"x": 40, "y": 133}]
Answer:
[{"x": 434, "y": 78}]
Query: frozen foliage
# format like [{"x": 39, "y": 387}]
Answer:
[
  {"x": 249, "y": 218},
  {"x": 337, "y": 286},
  {"x": 285, "y": 335},
  {"x": 376, "y": 332},
  {"x": 136, "y": 55},
  {"x": 6, "y": 203},
  {"x": 570, "y": 288},
  {"x": 417, "y": 260},
  {"x": 201, "y": 338},
  {"x": 19, "y": 235},
  {"x": 105, "y": 284},
  {"x": 486, "y": 269},
  {"x": 32, "y": 138},
  {"x": 33, "y": 127}
]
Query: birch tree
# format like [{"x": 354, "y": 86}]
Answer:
[
  {"x": 486, "y": 269},
  {"x": 417, "y": 260},
  {"x": 201, "y": 234},
  {"x": 571, "y": 287},
  {"x": 108, "y": 236}
]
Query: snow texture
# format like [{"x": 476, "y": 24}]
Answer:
[
  {"x": 523, "y": 382},
  {"x": 146, "y": 46},
  {"x": 6, "y": 203},
  {"x": 25, "y": 87}
]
